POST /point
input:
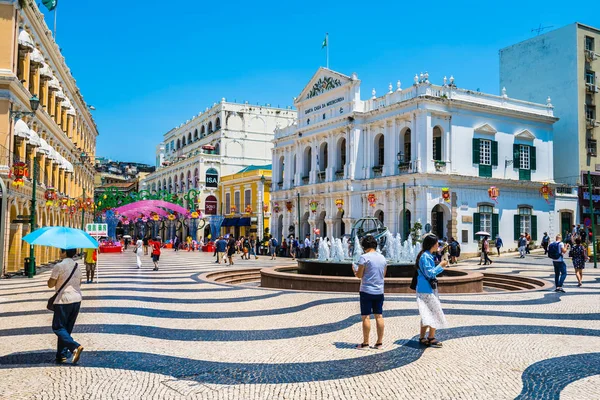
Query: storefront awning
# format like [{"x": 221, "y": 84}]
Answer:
[{"x": 244, "y": 222}]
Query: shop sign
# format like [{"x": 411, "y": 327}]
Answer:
[
  {"x": 210, "y": 205},
  {"x": 212, "y": 178}
]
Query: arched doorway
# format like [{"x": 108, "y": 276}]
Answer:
[
  {"x": 321, "y": 225},
  {"x": 438, "y": 221},
  {"x": 305, "y": 226},
  {"x": 379, "y": 215}
]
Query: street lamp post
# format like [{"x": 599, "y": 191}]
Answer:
[
  {"x": 262, "y": 205},
  {"x": 400, "y": 157},
  {"x": 34, "y": 103}
]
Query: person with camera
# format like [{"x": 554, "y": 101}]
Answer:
[{"x": 430, "y": 308}]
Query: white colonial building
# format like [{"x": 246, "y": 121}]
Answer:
[
  {"x": 220, "y": 141},
  {"x": 345, "y": 158}
]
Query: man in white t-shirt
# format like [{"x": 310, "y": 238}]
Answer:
[
  {"x": 371, "y": 270},
  {"x": 66, "y": 305},
  {"x": 307, "y": 245}
]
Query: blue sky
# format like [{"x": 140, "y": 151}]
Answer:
[{"x": 148, "y": 66}]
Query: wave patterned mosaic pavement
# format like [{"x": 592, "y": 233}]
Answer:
[{"x": 171, "y": 335}]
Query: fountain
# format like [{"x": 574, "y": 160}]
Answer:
[{"x": 332, "y": 270}]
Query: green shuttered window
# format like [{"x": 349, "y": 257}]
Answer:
[{"x": 485, "y": 155}]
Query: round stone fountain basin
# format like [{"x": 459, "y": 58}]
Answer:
[
  {"x": 344, "y": 268},
  {"x": 328, "y": 276}
]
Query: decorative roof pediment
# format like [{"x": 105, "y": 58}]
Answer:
[
  {"x": 486, "y": 129},
  {"x": 322, "y": 81},
  {"x": 525, "y": 134}
]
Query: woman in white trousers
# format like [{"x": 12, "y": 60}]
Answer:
[{"x": 139, "y": 245}]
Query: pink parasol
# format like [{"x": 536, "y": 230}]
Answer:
[{"x": 150, "y": 203}]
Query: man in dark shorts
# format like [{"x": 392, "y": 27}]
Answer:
[
  {"x": 371, "y": 270},
  {"x": 155, "y": 252}
]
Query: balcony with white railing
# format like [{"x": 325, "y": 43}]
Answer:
[
  {"x": 286, "y": 131},
  {"x": 408, "y": 167},
  {"x": 591, "y": 123},
  {"x": 423, "y": 88},
  {"x": 591, "y": 87}
]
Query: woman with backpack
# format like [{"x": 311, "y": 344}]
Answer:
[
  {"x": 579, "y": 257},
  {"x": 430, "y": 308}
]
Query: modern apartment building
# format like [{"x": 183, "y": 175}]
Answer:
[{"x": 563, "y": 64}]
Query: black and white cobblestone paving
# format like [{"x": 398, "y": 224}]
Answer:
[{"x": 171, "y": 335}]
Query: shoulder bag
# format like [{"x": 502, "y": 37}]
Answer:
[
  {"x": 50, "y": 305},
  {"x": 432, "y": 282}
]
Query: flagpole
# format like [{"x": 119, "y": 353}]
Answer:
[
  {"x": 55, "y": 8},
  {"x": 327, "y": 45}
]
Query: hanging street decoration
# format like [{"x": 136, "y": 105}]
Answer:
[
  {"x": 276, "y": 208},
  {"x": 248, "y": 209},
  {"x": 446, "y": 194},
  {"x": 19, "y": 171},
  {"x": 313, "y": 206},
  {"x": 233, "y": 209},
  {"x": 316, "y": 231},
  {"x": 289, "y": 205},
  {"x": 171, "y": 217},
  {"x": 494, "y": 193},
  {"x": 266, "y": 208},
  {"x": 372, "y": 199},
  {"x": 339, "y": 203},
  {"x": 195, "y": 214},
  {"x": 50, "y": 196},
  {"x": 546, "y": 192}
]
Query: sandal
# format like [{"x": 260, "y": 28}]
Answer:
[
  {"x": 362, "y": 346},
  {"x": 424, "y": 342},
  {"x": 434, "y": 342},
  {"x": 378, "y": 346}
]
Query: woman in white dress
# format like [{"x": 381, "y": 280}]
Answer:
[
  {"x": 138, "y": 250},
  {"x": 430, "y": 308}
]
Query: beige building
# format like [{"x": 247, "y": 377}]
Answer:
[
  {"x": 59, "y": 138},
  {"x": 564, "y": 65}
]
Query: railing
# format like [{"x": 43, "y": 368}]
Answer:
[
  {"x": 591, "y": 88},
  {"x": 377, "y": 171},
  {"x": 454, "y": 93},
  {"x": 339, "y": 175},
  {"x": 440, "y": 166},
  {"x": 321, "y": 175},
  {"x": 408, "y": 167},
  {"x": 564, "y": 190},
  {"x": 305, "y": 180},
  {"x": 590, "y": 55},
  {"x": 279, "y": 185},
  {"x": 591, "y": 123},
  {"x": 286, "y": 131}
]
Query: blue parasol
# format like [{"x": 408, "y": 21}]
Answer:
[{"x": 61, "y": 237}]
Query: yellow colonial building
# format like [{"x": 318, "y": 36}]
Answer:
[
  {"x": 45, "y": 125},
  {"x": 246, "y": 197}
]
